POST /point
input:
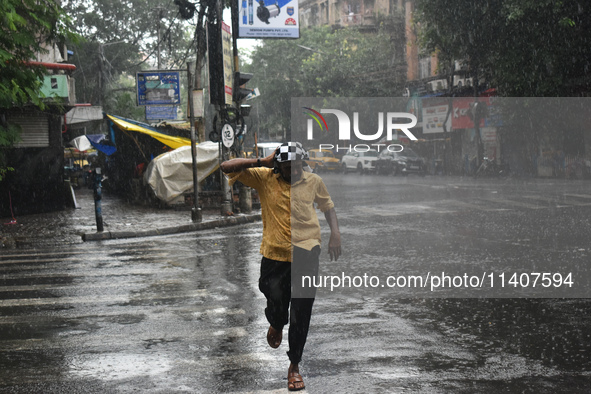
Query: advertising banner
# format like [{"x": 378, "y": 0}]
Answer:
[
  {"x": 158, "y": 87},
  {"x": 227, "y": 53},
  {"x": 434, "y": 114},
  {"x": 268, "y": 19}
]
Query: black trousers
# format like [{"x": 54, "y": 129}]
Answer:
[{"x": 276, "y": 284}]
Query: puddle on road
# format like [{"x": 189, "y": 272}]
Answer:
[
  {"x": 392, "y": 373},
  {"x": 398, "y": 209},
  {"x": 110, "y": 367}
]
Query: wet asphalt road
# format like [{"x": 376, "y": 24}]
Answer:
[{"x": 183, "y": 313}]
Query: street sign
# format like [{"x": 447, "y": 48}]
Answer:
[
  {"x": 227, "y": 136},
  {"x": 158, "y": 87},
  {"x": 254, "y": 93},
  {"x": 161, "y": 112}
]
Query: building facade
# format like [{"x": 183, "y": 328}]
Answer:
[{"x": 37, "y": 182}]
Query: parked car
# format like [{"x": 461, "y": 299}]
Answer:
[
  {"x": 400, "y": 163},
  {"x": 362, "y": 162},
  {"x": 322, "y": 160}
]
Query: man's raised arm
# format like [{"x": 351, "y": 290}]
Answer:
[{"x": 240, "y": 164}]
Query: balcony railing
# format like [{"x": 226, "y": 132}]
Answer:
[
  {"x": 357, "y": 19},
  {"x": 352, "y": 19}
]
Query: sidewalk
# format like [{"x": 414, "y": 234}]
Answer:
[{"x": 120, "y": 220}]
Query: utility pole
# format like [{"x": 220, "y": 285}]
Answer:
[
  {"x": 160, "y": 16},
  {"x": 101, "y": 54},
  {"x": 158, "y": 52},
  {"x": 218, "y": 69},
  {"x": 449, "y": 113},
  {"x": 100, "y": 76},
  {"x": 196, "y": 214},
  {"x": 478, "y": 112},
  {"x": 244, "y": 194}
]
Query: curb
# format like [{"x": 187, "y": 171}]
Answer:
[{"x": 231, "y": 221}]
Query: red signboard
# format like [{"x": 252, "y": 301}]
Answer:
[{"x": 461, "y": 118}]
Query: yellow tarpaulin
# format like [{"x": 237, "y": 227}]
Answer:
[{"x": 173, "y": 142}]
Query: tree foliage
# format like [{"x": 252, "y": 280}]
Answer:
[
  {"x": 136, "y": 24},
  {"x": 121, "y": 37},
  {"x": 26, "y": 27},
  {"x": 326, "y": 63},
  {"x": 521, "y": 47}
]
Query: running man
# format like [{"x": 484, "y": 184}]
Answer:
[{"x": 291, "y": 241}]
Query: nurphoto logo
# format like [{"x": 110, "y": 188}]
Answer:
[{"x": 388, "y": 122}]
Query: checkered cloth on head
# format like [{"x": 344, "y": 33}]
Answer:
[{"x": 290, "y": 151}]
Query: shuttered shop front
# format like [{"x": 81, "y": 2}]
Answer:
[{"x": 35, "y": 130}]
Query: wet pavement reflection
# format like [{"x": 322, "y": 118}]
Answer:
[{"x": 183, "y": 313}]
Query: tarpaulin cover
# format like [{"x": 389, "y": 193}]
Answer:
[
  {"x": 95, "y": 140},
  {"x": 168, "y": 140},
  {"x": 171, "y": 174},
  {"x": 81, "y": 143}
]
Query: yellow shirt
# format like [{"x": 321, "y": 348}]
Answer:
[{"x": 289, "y": 219}]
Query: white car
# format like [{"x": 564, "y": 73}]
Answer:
[{"x": 362, "y": 162}]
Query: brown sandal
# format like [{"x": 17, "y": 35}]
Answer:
[
  {"x": 293, "y": 380},
  {"x": 274, "y": 337}
]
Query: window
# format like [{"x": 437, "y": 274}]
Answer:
[{"x": 424, "y": 68}]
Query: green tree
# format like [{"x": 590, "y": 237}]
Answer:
[
  {"x": 544, "y": 48},
  {"x": 326, "y": 63},
  {"x": 521, "y": 47},
  {"x": 123, "y": 37},
  {"x": 26, "y": 27},
  {"x": 123, "y": 101},
  {"x": 352, "y": 63}
]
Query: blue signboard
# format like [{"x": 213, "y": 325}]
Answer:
[
  {"x": 161, "y": 112},
  {"x": 155, "y": 88}
]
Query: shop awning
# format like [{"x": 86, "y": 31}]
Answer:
[{"x": 168, "y": 140}]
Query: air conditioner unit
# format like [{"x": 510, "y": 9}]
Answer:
[{"x": 462, "y": 82}]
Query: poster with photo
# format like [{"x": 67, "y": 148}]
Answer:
[{"x": 268, "y": 19}]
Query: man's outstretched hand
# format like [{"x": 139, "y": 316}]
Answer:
[{"x": 334, "y": 246}]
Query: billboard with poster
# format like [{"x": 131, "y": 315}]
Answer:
[
  {"x": 268, "y": 19},
  {"x": 435, "y": 115}
]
